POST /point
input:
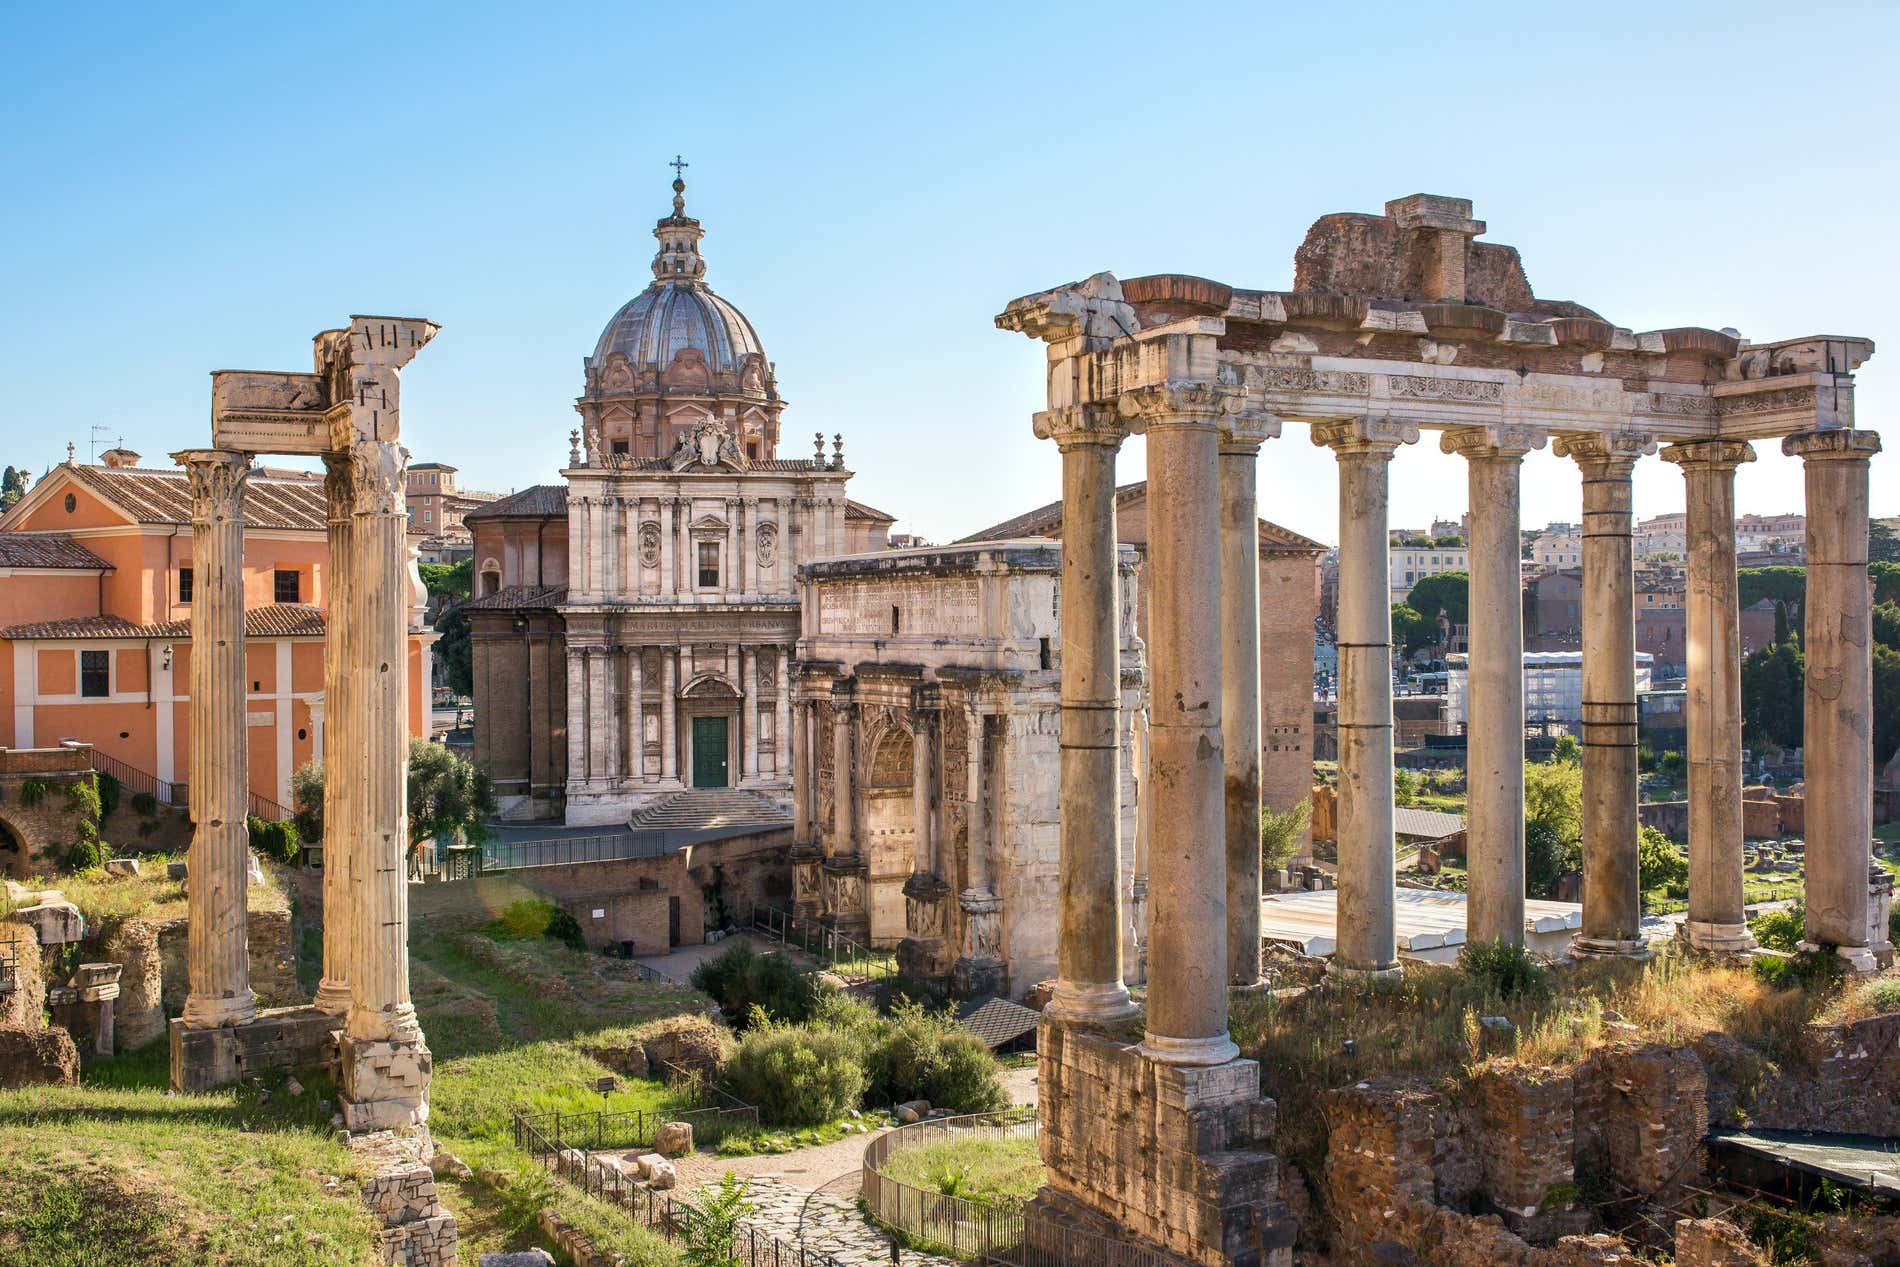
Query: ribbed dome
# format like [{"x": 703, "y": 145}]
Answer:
[{"x": 667, "y": 317}]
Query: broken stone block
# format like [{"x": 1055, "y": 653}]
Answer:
[
  {"x": 519, "y": 1258},
  {"x": 647, "y": 1162},
  {"x": 122, "y": 866},
  {"x": 912, "y": 1110},
  {"x": 673, "y": 1138},
  {"x": 663, "y": 1175},
  {"x": 53, "y": 919},
  {"x": 175, "y": 871}
]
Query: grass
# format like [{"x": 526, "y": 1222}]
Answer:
[
  {"x": 992, "y": 1171},
  {"x": 771, "y": 1139},
  {"x": 106, "y": 899},
  {"x": 1427, "y": 1026}
]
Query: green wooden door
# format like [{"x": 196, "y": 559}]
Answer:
[{"x": 709, "y": 752}]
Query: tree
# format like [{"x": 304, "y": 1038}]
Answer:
[
  {"x": 1772, "y": 696},
  {"x": 1886, "y": 579},
  {"x": 1410, "y": 631},
  {"x": 446, "y": 796},
  {"x": 456, "y": 650},
  {"x": 1280, "y": 834},
  {"x": 1417, "y": 543},
  {"x": 12, "y": 487},
  {"x": 1787, "y": 586},
  {"x": 1449, "y": 543},
  {"x": 1404, "y": 787},
  {"x": 1883, "y": 544},
  {"x": 449, "y": 582},
  {"x": 1568, "y": 751},
  {"x": 1886, "y": 703},
  {"x": 1659, "y": 864},
  {"x": 1448, "y": 593},
  {"x": 1553, "y": 824}
]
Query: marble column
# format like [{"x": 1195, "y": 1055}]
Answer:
[
  {"x": 1837, "y": 637},
  {"x": 1089, "y": 988},
  {"x": 339, "y": 832},
  {"x": 1240, "y": 688},
  {"x": 636, "y": 716},
  {"x": 782, "y": 718},
  {"x": 845, "y": 905},
  {"x": 926, "y": 711},
  {"x": 668, "y": 579},
  {"x": 1612, "y": 895},
  {"x": 1717, "y": 919},
  {"x": 979, "y": 966},
  {"x": 749, "y": 671},
  {"x": 1187, "y": 873},
  {"x": 807, "y": 880},
  {"x": 218, "y": 956},
  {"x": 1494, "y": 727},
  {"x": 384, "y": 1062},
  {"x": 669, "y": 724},
  {"x": 1366, "y": 923}
]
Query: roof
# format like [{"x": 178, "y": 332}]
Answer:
[
  {"x": 858, "y": 510},
  {"x": 511, "y": 597},
  {"x": 46, "y": 550},
  {"x": 996, "y": 1020},
  {"x": 1860, "y": 1161},
  {"x": 1426, "y": 823},
  {"x": 275, "y": 620},
  {"x": 669, "y": 317},
  {"x": 536, "y": 499},
  {"x": 278, "y": 499},
  {"x": 432, "y": 466},
  {"x": 1044, "y": 520}
]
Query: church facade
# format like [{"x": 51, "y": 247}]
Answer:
[{"x": 633, "y": 628}]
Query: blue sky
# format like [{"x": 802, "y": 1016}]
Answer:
[{"x": 194, "y": 188}]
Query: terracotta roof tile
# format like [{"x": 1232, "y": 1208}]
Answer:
[
  {"x": 46, "y": 550},
  {"x": 277, "y": 620},
  {"x": 510, "y": 597},
  {"x": 277, "y": 499},
  {"x": 858, "y": 510},
  {"x": 537, "y": 499}
]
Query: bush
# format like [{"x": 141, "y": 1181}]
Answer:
[
  {"x": 272, "y": 839},
  {"x": 1659, "y": 863},
  {"x": 1404, "y": 787},
  {"x": 796, "y": 1075},
  {"x": 531, "y": 917},
  {"x": 1781, "y": 930},
  {"x": 741, "y": 979},
  {"x": 144, "y": 804},
  {"x": 87, "y": 854},
  {"x": 109, "y": 790},
  {"x": 564, "y": 928},
  {"x": 1506, "y": 970},
  {"x": 1879, "y": 996},
  {"x": 1280, "y": 834},
  {"x": 917, "y": 1055}
]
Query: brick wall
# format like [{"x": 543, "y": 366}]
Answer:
[
  {"x": 273, "y": 961},
  {"x": 521, "y": 710}
]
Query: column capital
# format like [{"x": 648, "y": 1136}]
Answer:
[
  {"x": 1181, "y": 403},
  {"x": 1079, "y": 426},
  {"x": 1506, "y": 441},
  {"x": 1245, "y": 430},
  {"x": 1381, "y": 436},
  {"x": 1709, "y": 455},
  {"x": 218, "y": 479},
  {"x": 1607, "y": 452},
  {"x": 336, "y": 486},
  {"x": 1836, "y": 444},
  {"x": 377, "y": 475},
  {"x": 926, "y": 697}
]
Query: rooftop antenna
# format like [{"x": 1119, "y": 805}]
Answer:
[{"x": 93, "y": 443}]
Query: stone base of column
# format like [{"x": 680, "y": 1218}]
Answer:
[
  {"x": 1101, "y": 1005},
  {"x": 383, "y": 1083},
  {"x": 1193, "y": 1052},
  {"x": 1347, "y": 975},
  {"x": 1190, "y": 1176},
  {"x": 1859, "y": 959},
  {"x": 808, "y": 884},
  {"x": 926, "y": 952},
  {"x": 1608, "y": 948},
  {"x": 979, "y": 969},
  {"x": 847, "y": 912},
  {"x": 1723, "y": 939},
  {"x": 204, "y": 1012},
  {"x": 332, "y": 997},
  {"x": 275, "y": 1039}
]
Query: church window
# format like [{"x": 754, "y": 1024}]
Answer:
[
  {"x": 709, "y": 563},
  {"x": 184, "y": 585},
  {"x": 95, "y": 674},
  {"x": 620, "y": 447},
  {"x": 1043, "y": 657}
]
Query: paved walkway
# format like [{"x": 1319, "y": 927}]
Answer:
[{"x": 828, "y": 1225}]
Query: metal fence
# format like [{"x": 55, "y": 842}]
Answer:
[
  {"x": 135, "y": 780},
  {"x": 510, "y": 855},
  {"x": 560, "y": 1140},
  {"x": 827, "y": 945},
  {"x": 959, "y": 1225},
  {"x": 671, "y": 1216}
]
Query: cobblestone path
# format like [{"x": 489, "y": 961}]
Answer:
[{"x": 827, "y": 1224}]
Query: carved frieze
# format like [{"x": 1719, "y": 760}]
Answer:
[
  {"x": 377, "y": 472},
  {"x": 1283, "y": 378},
  {"x": 1742, "y": 406},
  {"x": 1420, "y": 387}
]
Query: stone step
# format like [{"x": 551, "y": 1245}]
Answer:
[{"x": 707, "y": 808}]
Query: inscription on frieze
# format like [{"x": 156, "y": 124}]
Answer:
[
  {"x": 946, "y": 606},
  {"x": 1286, "y": 378},
  {"x": 1768, "y": 402},
  {"x": 1420, "y": 387}
]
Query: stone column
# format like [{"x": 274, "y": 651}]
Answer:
[
  {"x": 1612, "y": 896},
  {"x": 339, "y": 830},
  {"x": 844, "y": 860},
  {"x": 782, "y": 722},
  {"x": 1187, "y": 873},
  {"x": 749, "y": 662},
  {"x": 636, "y": 715},
  {"x": 979, "y": 966},
  {"x": 669, "y": 724},
  {"x": 668, "y": 579},
  {"x": 1717, "y": 918},
  {"x": 1837, "y": 635},
  {"x": 606, "y": 708},
  {"x": 684, "y": 563},
  {"x": 925, "y": 952},
  {"x": 385, "y": 1065},
  {"x": 218, "y": 950},
  {"x": 1494, "y": 728},
  {"x": 1089, "y": 988},
  {"x": 576, "y": 712},
  {"x": 1367, "y": 936},
  {"x": 1240, "y": 688}
]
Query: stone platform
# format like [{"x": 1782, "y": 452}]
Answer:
[{"x": 278, "y": 1039}]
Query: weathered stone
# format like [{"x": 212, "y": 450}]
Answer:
[
  {"x": 122, "y": 866},
  {"x": 673, "y": 1138},
  {"x": 37, "y": 1056},
  {"x": 518, "y": 1258},
  {"x": 912, "y": 1110},
  {"x": 1714, "y": 1243}
]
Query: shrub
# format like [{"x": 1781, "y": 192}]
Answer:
[
  {"x": 109, "y": 791},
  {"x": 564, "y": 928},
  {"x": 276, "y": 840},
  {"x": 32, "y": 792},
  {"x": 87, "y": 854},
  {"x": 741, "y": 979},
  {"x": 1659, "y": 864},
  {"x": 144, "y": 804},
  {"x": 1404, "y": 787},
  {"x": 711, "y": 1230},
  {"x": 1506, "y": 970},
  {"x": 796, "y": 1075},
  {"x": 531, "y": 917},
  {"x": 917, "y": 1055},
  {"x": 1280, "y": 834},
  {"x": 1781, "y": 930},
  {"x": 1879, "y": 996}
]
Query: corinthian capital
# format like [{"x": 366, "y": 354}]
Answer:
[
  {"x": 1245, "y": 430},
  {"x": 1074, "y": 426},
  {"x": 1709, "y": 455},
  {"x": 1506, "y": 440},
  {"x": 376, "y": 475},
  {"x": 1838, "y": 443},
  {"x": 1605, "y": 453},
  {"x": 218, "y": 478},
  {"x": 1364, "y": 435},
  {"x": 1177, "y": 404}
]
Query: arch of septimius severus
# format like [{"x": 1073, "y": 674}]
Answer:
[
  {"x": 347, "y": 411},
  {"x": 1396, "y": 325}
]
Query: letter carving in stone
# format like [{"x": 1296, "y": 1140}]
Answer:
[
  {"x": 218, "y": 481},
  {"x": 377, "y": 468}
]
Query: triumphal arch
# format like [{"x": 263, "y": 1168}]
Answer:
[
  {"x": 347, "y": 412},
  {"x": 1397, "y": 324}
]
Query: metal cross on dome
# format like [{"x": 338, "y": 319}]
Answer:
[{"x": 679, "y": 166}]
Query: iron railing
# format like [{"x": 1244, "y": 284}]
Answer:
[
  {"x": 827, "y": 945},
  {"x": 958, "y": 1225},
  {"x": 511, "y": 855},
  {"x": 135, "y": 780},
  {"x": 556, "y": 1135}
]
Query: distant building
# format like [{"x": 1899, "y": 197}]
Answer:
[
  {"x": 1560, "y": 549},
  {"x": 1553, "y": 688},
  {"x": 436, "y": 505},
  {"x": 1412, "y": 564}
]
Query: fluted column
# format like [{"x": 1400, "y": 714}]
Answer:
[
  {"x": 1718, "y": 918},
  {"x": 669, "y": 723},
  {"x": 340, "y": 832},
  {"x": 385, "y": 1065},
  {"x": 606, "y": 666},
  {"x": 1366, "y": 929},
  {"x": 1612, "y": 893},
  {"x": 1089, "y": 987},
  {"x": 1240, "y": 687},
  {"x": 1494, "y": 729},
  {"x": 845, "y": 904},
  {"x": 1187, "y": 872},
  {"x": 782, "y": 721},
  {"x": 808, "y": 900},
  {"x": 636, "y": 716},
  {"x": 218, "y": 945},
  {"x": 1837, "y": 638},
  {"x": 749, "y": 662}
]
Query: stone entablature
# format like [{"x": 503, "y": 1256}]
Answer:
[{"x": 937, "y": 671}]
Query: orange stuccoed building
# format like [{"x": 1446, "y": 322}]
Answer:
[{"x": 95, "y": 623}]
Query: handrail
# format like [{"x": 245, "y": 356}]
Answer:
[
  {"x": 136, "y": 780},
  {"x": 511, "y": 855},
  {"x": 964, "y": 1227},
  {"x": 819, "y": 941}
]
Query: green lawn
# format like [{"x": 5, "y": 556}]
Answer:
[{"x": 999, "y": 1171}]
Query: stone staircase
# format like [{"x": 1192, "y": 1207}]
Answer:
[{"x": 710, "y": 809}]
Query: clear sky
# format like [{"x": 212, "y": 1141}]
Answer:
[{"x": 192, "y": 188}]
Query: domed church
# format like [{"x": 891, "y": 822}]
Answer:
[{"x": 634, "y": 626}]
